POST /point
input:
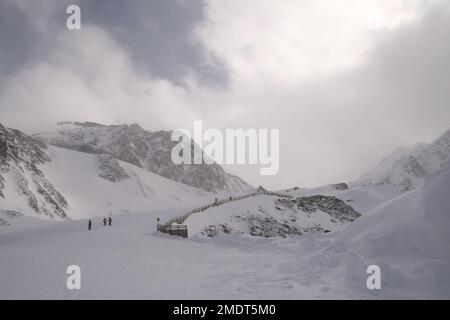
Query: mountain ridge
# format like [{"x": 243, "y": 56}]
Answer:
[
  {"x": 406, "y": 168},
  {"x": 150, "y": 150}
]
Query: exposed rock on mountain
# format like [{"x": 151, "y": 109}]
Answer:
[
  {"x": 336, "y": 208},
  {"x": 20, "y": 156},
  {"x": 340, "y": 186},
  {"x": 2, "y": 185},
  {"x": 406, "y": 168},
  {"x": 144, "y": 149},
  {"x": 7, "y": 216},
  {"x": 110, "y": 169}
]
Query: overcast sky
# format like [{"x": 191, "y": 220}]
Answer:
[{"x": 346, "y": 82}]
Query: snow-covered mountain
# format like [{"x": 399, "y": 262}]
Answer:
[
  {"x": 406, "y": 168},
  {"x": 362, "y": 198},
  {"x": 53, "y": 182},
  {"x": 144, "y": 149}
]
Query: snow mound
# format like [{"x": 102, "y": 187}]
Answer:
[
  {"x": 273, "y": 216},
  {"x": 408, "y": 238}
]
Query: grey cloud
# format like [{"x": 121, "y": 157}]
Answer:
[
  {"x": 20, "y": 39},
  {"x": 157, "y": 35},
  {"x": 336, "y": 128},
  {"x": 400, "y": 96},
  {"x": 332, "y": 129}
]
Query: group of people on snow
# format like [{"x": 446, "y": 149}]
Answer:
[{"x": 106, "y": 221}]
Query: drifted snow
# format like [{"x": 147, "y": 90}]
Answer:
[{"x": 273, "y": 216}]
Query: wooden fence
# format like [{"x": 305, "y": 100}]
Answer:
[{"x": 181, "y": 230}]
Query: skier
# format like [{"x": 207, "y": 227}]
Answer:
[
  {"x": 89, "y": 224},
  {"x": 104, "y": 222},
  {"x": 109, "y": 221}
]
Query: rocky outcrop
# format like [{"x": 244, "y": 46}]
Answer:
[
  {"x": 110, "y": 169},
  {"x": 6, "y": 217},
  {"x": 20, "y": 156},
  {"x": 336, "y": 208},
  {"x": 340, "y": 186}
]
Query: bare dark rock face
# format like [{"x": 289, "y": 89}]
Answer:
[
  {"x": 144, "y": 149},
  {"x": 20, "y": 155},
  {"x": 340, "y": 186},
  {"x": 215, "y": 230},
  {"x": 2, "y": 186}
]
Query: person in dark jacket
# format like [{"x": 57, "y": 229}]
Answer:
[
  {"x": 89, "y": 224},
  {"x": 109, "y": 220},
  {"x": 104, "y": 222}
]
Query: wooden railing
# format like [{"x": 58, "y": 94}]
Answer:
[
  {"x": 176, "y": 230},
  {"x": 168, "y": 227}
]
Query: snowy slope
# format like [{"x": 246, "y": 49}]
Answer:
[
  {"x": 92, "y": 192},
  {"x": 58, "y": 183},
  {"x": 89, "y": 193},
  {"x": 144, "y": 149},
  {"x": 406, "y": 168},
  {"x": 408, "y": 238}
]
